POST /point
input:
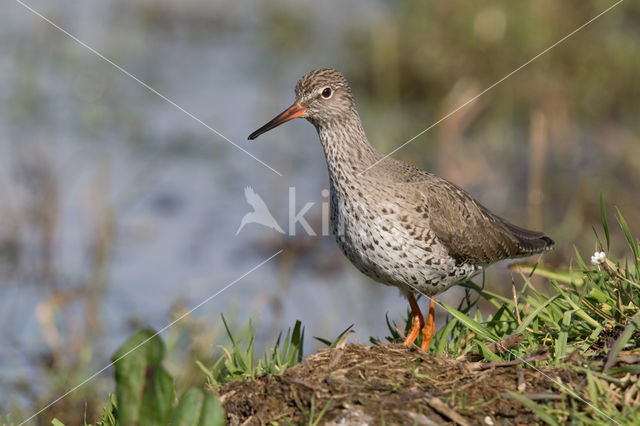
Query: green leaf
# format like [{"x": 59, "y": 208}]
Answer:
[
  {"x": 187, "y": 412},
  {"x": 143, "y": 387},
  {"x": 56, "y": 422},
  {"x": 158, "y": 398},
  {"x": 198, "y": 408},
  {"x": 324, "y": 341},
  {"x": 295, "y": 349},
  {"x": 212, "y": 413}
]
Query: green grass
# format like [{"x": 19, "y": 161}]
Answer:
[
  {"x": 572, "y": 316},
  {"x": 239, "y": 363},
  {"x": 585, "y": 304},
  {"x": 587, "y": 318}
]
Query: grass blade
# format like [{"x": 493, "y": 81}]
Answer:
[
  {"x": 538, "y": 410},
  {"x": 332, "y": 344},
  {"x": 527, "y": 320},
  {"x": 621, "y": 341},
  {"x": 479, "y": 329},
  {"x": 579, "y": 311},
  {"x": 486, "y": 353},
  {"x": 627, "y": 234},
  {"x": 534, "y": 269},
  {"x": 443, "y": 336},
  {"x": 581, "y": 263},
  {"x": 603, "y": 218},
  {"x": 561, "y": 345}
]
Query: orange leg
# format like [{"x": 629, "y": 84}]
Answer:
[
  {"x": 418, "y": 321},
  {"x": 430, "y": 329}
]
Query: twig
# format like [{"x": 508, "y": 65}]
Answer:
[
  {"x": 445, "y": 410},
  {"x": 301, "y": 383},
  {"x": 505, "y": 344},
  {"x": 343, "y": 340},
  {"x": 521, "y": 384}
]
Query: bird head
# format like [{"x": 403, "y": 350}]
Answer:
[{"x": 321, "y": 96}]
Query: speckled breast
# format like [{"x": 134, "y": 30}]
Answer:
[{"x": 377, "y": 238}]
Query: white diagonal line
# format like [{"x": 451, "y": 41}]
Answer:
[
  {"x": 151, "y": 89},
  {"x": 493, "y": 85},
  {"x": 533, "y": 367},
  {"x": 149, "y": 338}
]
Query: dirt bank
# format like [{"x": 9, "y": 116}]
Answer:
[{"x": 390, "y": 384}]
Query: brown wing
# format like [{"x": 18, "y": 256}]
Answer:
[{"x": 470, "y": 232}]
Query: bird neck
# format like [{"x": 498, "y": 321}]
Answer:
[{"x": 346, "y": 146}]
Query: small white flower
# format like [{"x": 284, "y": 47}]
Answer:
[{"x": 598, "y": 258}]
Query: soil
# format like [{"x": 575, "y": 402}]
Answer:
[{"x": 391, "y": 384}]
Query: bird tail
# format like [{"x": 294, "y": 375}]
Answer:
[{"x": 530, "y": 242}]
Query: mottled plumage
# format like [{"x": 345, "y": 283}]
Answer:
[{"x": 398, "y": 224}]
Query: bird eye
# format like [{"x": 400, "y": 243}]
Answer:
[{"x": 326, "y": 92}]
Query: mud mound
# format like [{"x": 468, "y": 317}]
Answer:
[{"x": 391, "y": 384}]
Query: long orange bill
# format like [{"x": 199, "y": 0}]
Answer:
[{"x": 294, "y": 111}]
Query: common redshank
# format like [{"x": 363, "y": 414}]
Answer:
[{"x": 397, "y": 224}]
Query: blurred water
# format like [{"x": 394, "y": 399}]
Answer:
[{"x": 175, "y": 188}]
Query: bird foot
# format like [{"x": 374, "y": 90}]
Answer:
[
  {"x": 418, "y": 321},
  {"x": 418, "y": 325},
  {"x": 430, "y": 329},
  {"x": 415, "y": 330}
]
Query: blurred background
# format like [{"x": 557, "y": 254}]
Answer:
[{"x": 118, "y": 211}]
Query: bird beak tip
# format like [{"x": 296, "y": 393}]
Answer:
[{"x": 294, "y": 111}]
